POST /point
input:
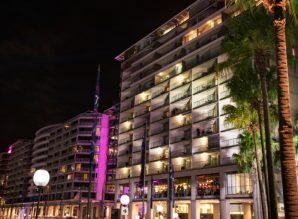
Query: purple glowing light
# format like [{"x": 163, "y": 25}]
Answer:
[
  {"x": 9, "y": 149},
  {"x": 102, "y": 157}
]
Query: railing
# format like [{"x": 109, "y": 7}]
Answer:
[
  {"x": 180, "y": 138},
  {"x": 180, "y": 96},
  {"x": 202, "y": 87},
  {"x": 161, "y": 156},
  {"x": 177, "y": 111},
  {"x": 161, "y": 194},
  {"x": 159, "y": 92},
  {"x": 210, "y": 146},
  {"x": 160, "y": 104},
  {"x": 122, "y": 175},
  {"x": 139, "y": 195},
  {"x": 158, "y": 130},
  {"x": 210, "y": 114},
  {"x": 158, "y": 143},
  {"x": 209, "y": 99},
  {"x": 205, "y": 132},
  {"x": 182, "y": 192},
  {"x": 181, "y": 151},
  {"x": 126, "y": 118},
  {"x": 182, "y": 167},
  {"x": 239, "y": 190},
  {"x": 158, "y": 171},
  {"x": 141, "y": 112},
  {"x": 181, "y": 124},
  {"x": 227, "y": 161},
  {"x": 125, "y": 140},
  {"x": 123, "y": 164},
  {"x": 230, "y": 142},
  {"x": 206, "y": 164},
  {"x": 213, "y": 191},
  {"x": 224, "y": 94},
  {"x": 178, "y": 84},
  {"x": 126, "y": 107}
]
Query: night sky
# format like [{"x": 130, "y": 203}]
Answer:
[{"x": 49, "y": 52}]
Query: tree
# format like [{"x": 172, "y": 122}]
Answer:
[
  {"x": 244, "y": 116},
  {"x": 279, "y": 10}
]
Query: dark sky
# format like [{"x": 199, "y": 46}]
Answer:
[{"x": 49, "y": 52}]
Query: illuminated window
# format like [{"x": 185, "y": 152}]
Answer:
[
  {"x": 239, "y": 183},
  {"x": 63, "y": 169},
  {"x": 78, "y": 166},
  {"x": 69, "y": 177},
  {"x": 85, "y": 176}
]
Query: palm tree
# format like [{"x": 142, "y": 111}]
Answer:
[
  {"x": 249, "y": 45},
  {"x": 279, "y": 9},
  {"x": 244, "y": 116}
]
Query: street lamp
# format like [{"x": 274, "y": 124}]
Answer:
[
  {"x": 124, "y": 200},
  {"x": 159, "y": 209},
  {"x": 41, "y": 178}
]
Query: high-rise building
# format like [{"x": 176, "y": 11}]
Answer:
[
  {"x": 169, "y": 79},
  {"x": 4, "y": 160},
  {"x": 19, "y": 165},
  {"x": 64, "y": 150}
]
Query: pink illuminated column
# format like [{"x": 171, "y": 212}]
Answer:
[{"x": 102, "y": 157}]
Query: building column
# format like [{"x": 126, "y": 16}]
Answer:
[
  {"x": 224, "y": 210},
  {"x": 131, "y": 198},
  {"x": 193, "y": 202},
  {"x": 149, "y": 184}
]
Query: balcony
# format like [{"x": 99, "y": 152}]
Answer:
[
  {"x": 159, "y": 143},
  {"x": 184, "y": 109},
  {"x": 206, "y": 160},
  {"x": 160, "y": 104},
  {"x": 160, "y": 92},
  {"x": 123, "y": 164},
  {"x": 180, "y": 138},
  {"x": 230, "y": 142},
  {"x": 205, "y": 116},
  {"x": 204, "y": 87},
  {"x": 159, "y": 130},
  {"x": 184, "y": 151},
  {"x": 125, "y": 140},
  {"x": 180, "y": 96},
  {"x": 208, "y": 186},
  {"x": 209, "y": 99}
]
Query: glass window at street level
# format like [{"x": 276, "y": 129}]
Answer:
[{"x": 239, "y": 183}]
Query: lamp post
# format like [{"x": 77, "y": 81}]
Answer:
[
  {"x": 159, "y": 209},
  {"x": 124, "y": 200},
  {"x": 41, "y": 178}
]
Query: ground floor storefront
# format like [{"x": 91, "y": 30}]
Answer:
[{"x": 188, "y": 209}]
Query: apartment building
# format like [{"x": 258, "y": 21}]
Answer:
[
  {"x": 19, "y": 164},
  {"x": 4, "y": 159},
  {"x": 168, "y": 78},
  {"x": 64, "y": 150}
]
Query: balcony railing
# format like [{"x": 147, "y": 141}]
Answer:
[
  {"x": 158, "y": 170},
  {"x": 123, "y": 164},
  {"x": 227, "y": 161},
  {"x": 178, "y": 84},
  {"x": 204, "y": 116},
  {"x": 213, "y": 191},
  {"x": 224, "y": 94},
  {"x": 181, "y": 192},
  {"x": 230, "y": 142},
  {"x": 180, "y": 96},
  {"x": 160, "y": 104},
  {"x": 159, "y": 92},
  {"x": 180, "y": 138},
  {"x": 181, "y": 151},
  {"x": 161, "y": 194},
  {"x": 239, "y": 190},
  {"x": 206, "y": 164},
  {"x": 182, "y": 167},
  {"x": 205, "y": 132},
  {"x": 203, "y": 87},
  {"x": 209, "y": 99},
  {"x": 159, "y": 130},
  {"x": 159, "y": 143},
  {"x": 177, "y": 111},
  {"x": 125, "y": 140}
]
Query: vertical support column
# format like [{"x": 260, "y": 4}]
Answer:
[
  {"x": 193, "y": 198},
  {"x": 131, "y": 198},
  {"x": 149, "y": 184},
  {"x": 224, "y": 211}
]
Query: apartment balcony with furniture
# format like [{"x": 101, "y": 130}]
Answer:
[
  {"x": 205, "y": 160},
  {"x": 205, "y": 128},
  {"x": 208, "y": 186}
]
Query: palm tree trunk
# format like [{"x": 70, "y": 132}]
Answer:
[
  {"x": 263, "y": 156},
  {"x": 259, "y": 172},
  {"x": 261, "y": 63},
  {"x": 287, "y": 150}
]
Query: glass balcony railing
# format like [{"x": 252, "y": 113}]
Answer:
[
  {"x": 125, "y": 140},
  {"x": 204, "y": 116},
  {"x": 180, "y": 138},
  {"x": 203, "y": 87},
  {"x": 180, "y": 96},
  {"x": 205, "y": 164},
  {"x": 230, "y": 142}
]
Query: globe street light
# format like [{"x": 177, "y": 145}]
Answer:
[
  {"x": 159, "y": 209},
  {"x": 124, "y": 200},
  {"x": 41, "y": 178}
]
